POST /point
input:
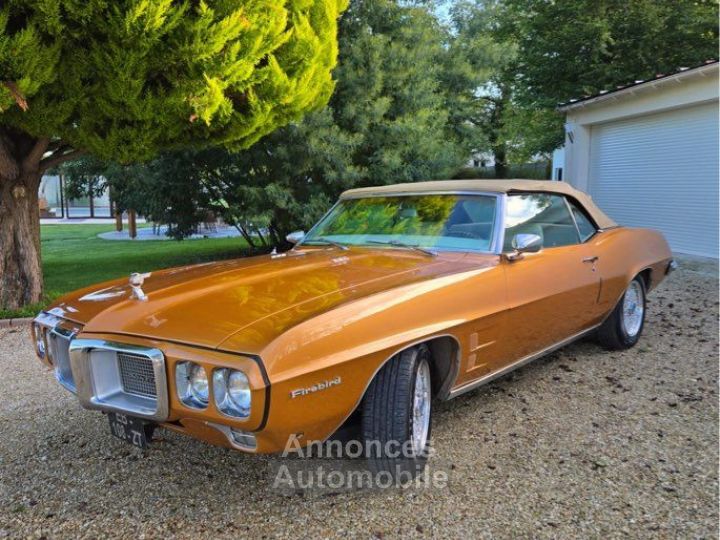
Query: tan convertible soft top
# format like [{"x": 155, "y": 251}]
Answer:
[{"x": 494, "y": 186}]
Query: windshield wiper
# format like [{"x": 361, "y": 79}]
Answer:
[
  {"x": 327, "y": 241},
  {"x": 397, "y": 243}
]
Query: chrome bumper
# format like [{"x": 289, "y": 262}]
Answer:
[{"x": 107, "y": 376}]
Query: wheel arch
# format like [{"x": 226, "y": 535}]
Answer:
[
  {"x": 627, "y": 253},
  {"x": 646, "y": 275},
  {"x": 445, "y": 354}
]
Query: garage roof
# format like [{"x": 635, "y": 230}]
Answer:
[
  {"x": 485, "y": 186},
  {"x": 631, "y": 88}
]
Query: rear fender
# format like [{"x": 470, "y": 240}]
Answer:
[{"x": 625, "y": 253}]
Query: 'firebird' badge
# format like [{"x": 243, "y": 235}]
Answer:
[
  {"x": 324, "y": 385},
  {"x": 136, "y": 282}
]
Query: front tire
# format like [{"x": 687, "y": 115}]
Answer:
[
  {"x": 622, "y": 329},
  {"x": 396, "y": 415}
]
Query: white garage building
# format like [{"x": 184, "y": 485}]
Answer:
[{"x": 648, "y": 155}]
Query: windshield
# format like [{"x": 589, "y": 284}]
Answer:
[{"x": 450, "y": 222}]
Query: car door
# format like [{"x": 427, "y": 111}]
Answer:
[
  {"x": 552, "y": 293},
  {"x": 596, "y": 255}
]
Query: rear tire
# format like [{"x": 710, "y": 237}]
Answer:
[
  {"x": 622, "y": 329},
  {"x": 396, "y": 415}
]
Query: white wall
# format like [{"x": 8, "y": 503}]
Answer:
[
  {"x": 661, "y": 171},
  {"x": 688, "y": 89},
  {"x": 558, "y": 164}
]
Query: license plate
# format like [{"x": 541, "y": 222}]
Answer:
[{"x": 130, "y": 429}]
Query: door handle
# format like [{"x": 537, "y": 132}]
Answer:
[{"x": 590, "y": 259}]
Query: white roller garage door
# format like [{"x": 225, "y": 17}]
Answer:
[{"x": 661, "y": 171}]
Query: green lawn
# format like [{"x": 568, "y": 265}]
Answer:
[{"x": 74, "y": 257}]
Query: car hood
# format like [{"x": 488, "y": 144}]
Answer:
[{"x": 208, "y": 303}]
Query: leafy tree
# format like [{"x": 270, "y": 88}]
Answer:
[
  {"x": 487, "y": 94},
  {"x": 579, "y": 47},
  {"x": 567, "y": 49},
  {"x": 127, "y": 79},
  {"x": 393, "y": 62},
  {"x": 506, "y": 127},
  {"x": 170, "y": 191},
  {"x": 283, "y": 182},
  {"x": 549, "y": 52},
  {"x": 390, "y": 120}
]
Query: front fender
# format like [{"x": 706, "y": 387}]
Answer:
[{"x": 334, "y": 356}]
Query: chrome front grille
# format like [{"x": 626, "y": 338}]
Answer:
[
  {"x": 120, "y": 377},
  {"x": 137, "y": 375}
]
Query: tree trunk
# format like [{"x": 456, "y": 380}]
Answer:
[
  {"x": 500, "y": 156},
  {"x": 132, "y": 223},
  {"x": 22, "y": 163},
  {"x": 21, "y": 166},
  {"x": 496, "y": 136},
  {"x": 245, "y": 234},
  {"x": 260, "y": 235},
  {"x": 20, "y": 270}
]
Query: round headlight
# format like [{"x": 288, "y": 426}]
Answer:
[
  {"x": 231, "y": 389},
  {"x": 192, "y": 384},
  {"x": 219, "y": 387},
  {"x": 199, "y": 387},
  {"x": 238, "y": 389}
]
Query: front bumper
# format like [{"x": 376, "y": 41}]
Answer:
[{"x": 136, "y": 377}]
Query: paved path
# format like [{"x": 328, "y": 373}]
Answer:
[{"x": 147, "y": 233}]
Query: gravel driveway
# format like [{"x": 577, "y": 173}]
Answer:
[{"x": 581, "y": 443}]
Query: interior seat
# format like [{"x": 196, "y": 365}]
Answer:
[{"x": 559, "y": 235}]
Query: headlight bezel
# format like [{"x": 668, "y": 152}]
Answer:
[
  {"x": 238, "y": 406},
  {"x": 187, "y": 393}
]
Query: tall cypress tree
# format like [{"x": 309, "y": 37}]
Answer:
[{"x": 123, "y": 80}]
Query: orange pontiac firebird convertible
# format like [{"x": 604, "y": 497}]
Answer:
[{"x": 400, "y": 295}]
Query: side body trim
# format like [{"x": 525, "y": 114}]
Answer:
[{"x": 519, "y": 363}]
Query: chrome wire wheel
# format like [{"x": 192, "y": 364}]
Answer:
[
  {"x": 421, "y": 408},
  {"x": 633, "y": 309}
]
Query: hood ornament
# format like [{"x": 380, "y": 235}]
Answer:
[{"x": 136, "y": 281}]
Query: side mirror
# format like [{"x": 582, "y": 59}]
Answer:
[
  {"x": 295, "y": 237},
  {"x": 527, "y": 243},
  {"x": 524, "y": 243}
]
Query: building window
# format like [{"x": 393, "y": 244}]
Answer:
[
  {"x": 53, "y": 203},
  {"x": 50, "y": 197}
]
